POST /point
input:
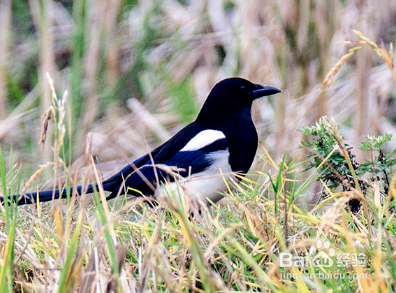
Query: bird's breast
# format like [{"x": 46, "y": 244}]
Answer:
[{"x": 243, "y": 142}]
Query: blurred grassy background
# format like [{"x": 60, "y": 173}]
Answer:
[{"x": 137, "y": 71}]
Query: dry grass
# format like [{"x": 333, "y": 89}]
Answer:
[{"x": 137, "y": 71}]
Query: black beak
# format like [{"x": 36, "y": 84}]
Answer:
[{"x": 264, "y": 90}]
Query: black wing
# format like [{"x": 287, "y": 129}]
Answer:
[{"x": 144, "y": 180}]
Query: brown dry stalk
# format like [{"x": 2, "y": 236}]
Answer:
[
  {"x": 31, "y": 179},
  {"x": 366, "y": 41},
  {"x": 388, "y": 58},
  {"x": 333, "y": 129},
  {"x": 46, "y": 118},
  {"x": 342, "y": 179},
  {"x": 381, "y": 52},
  {"x": 330, "y": 76}
]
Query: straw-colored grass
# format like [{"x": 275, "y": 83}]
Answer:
[{"x": 137, "y": 71}]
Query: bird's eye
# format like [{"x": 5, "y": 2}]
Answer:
[{"x": 243, "y": 87}]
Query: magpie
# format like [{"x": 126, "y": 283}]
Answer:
[{"x": 220, "y": 143}]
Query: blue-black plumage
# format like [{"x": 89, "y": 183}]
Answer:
[{"x": 222, "y": 141}]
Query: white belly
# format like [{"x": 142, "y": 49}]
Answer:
[{"x": 200, "y": 187}]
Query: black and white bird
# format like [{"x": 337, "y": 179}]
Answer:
[{"x": 221, "y": 142}]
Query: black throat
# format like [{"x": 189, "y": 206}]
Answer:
[{"x": 237, "y": 125}]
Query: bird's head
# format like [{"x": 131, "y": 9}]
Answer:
[{"x": 233, "y": 94}]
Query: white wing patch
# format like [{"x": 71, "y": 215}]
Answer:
[{"x": 202, "y": 139}]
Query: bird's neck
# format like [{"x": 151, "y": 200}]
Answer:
[{"x": 223, "y": 118}]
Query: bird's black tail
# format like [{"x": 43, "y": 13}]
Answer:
[{"x": 48, "y": 195}]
